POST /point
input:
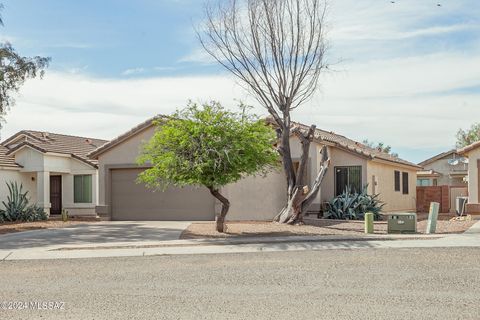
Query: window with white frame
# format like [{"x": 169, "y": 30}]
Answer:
[{"x": 82, "y": 188}]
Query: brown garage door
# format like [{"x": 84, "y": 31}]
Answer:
[{"x": 133, "y": 201}]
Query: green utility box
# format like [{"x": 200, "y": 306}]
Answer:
[{"x": 402, "y": 222}]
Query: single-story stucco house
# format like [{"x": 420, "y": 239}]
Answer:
[
  {"x": 53, "y": 168},
  {"x": 472, "y": 152},
  {"x": 253, "y": 198}
]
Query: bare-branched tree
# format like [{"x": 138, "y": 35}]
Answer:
[{"x": 276, "y": 49}]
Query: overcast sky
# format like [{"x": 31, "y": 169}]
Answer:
[{"x": 408, "y": 72}]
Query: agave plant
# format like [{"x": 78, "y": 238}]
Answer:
[
  {"x": 17, "y": 207},
  {"x": 353, "y": 206},
  {"x": 17, "y": 202}
]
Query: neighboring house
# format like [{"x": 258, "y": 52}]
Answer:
[
  {"x": 253, "y": 198},
  {"x": 445, "y": 169},
  {"x": 472, "y": 152},
  {"x": 53, "y": 168}
]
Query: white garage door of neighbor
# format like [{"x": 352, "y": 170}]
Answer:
[{"x": 133, "y": 201}]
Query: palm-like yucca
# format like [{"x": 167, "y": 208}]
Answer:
[
  {"x": 17, "y": 202},
  {"x": 17, "y": 206}
]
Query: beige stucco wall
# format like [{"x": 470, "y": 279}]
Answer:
[
  {"x": 31, "y": 160},
  {"x": 79, "y": 209},
  {"x": 261, "y": 198},
  {"x": 442, "y": 166},
  {"x": 41, "y": 166},
  {"x": 125, "y": 153},
  {"x": 257, "y": 197},
  {"x": 253, "y": 198},
  {"x": 7, "y": 175},
  {"x": 384, "y": 176},
  {"x": 340, "y": 158},
  {"x": 473, "y": 183}
]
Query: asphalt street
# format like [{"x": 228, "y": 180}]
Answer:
[{"x": 428, "y": 283}]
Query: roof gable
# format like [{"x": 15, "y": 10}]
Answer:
[
  {"x": 46, "y": 142},
  {"x": 132, "y": 132},
  {"x": 437, "y": 157}
]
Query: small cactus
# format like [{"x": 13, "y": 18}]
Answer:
[{"x": 64, "y": 215}]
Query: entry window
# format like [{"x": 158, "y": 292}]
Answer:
[
  {"x": 348, "y": 178},
  {"x": 397, "y": 180},
  {"x": 405, "y": 182},
  {"x": 82, "y": 189}
]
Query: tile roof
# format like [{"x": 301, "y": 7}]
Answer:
[
  {"x": 320, "y": 135},
  {"x": 7, "y": 160},
  {"x": 469, "y": 148},
  {"x": 345, "y": 143},
  {"x": 77, "y": 147}
]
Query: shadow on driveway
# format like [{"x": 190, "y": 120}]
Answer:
[{"x": 95, "y": 233}]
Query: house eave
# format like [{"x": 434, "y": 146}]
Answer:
[
  {"x": 123, "y": 137},
  {"x": 396, "y": 164}
]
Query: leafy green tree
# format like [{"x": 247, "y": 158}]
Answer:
[
  {"x": 206, "y": 145},
  {"x": 465, "y": 138},
  {"x": 14, "y": 70},
  {"x": 380, "y": 146}
]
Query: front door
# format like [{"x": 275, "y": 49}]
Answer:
[{"x": 56, "y": 194}]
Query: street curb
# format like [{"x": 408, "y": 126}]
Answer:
[{"x": 265, "y": 240}]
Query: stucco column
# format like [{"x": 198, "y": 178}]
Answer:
[{"x": 43, "y": 190}]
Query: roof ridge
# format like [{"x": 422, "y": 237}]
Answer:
[
  {"x": 347, "y": 138},
  {"x": 62, "y": 134},
  {"x": 125, "y": 135}
]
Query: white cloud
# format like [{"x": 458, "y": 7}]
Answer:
[
  {"x": 198, "y": 55},
  {"x": 404, "y": 102},
  {"x": 406, "y": 98},
  {"x": 104, "y": 108},
  {"x": 132, "y": 71}
]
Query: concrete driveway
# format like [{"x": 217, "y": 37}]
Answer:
[{"x": 109, "y": 232}]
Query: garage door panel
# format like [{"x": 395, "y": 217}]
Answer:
[{"x": 133, "y": 201}]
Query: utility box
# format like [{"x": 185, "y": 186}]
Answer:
[{"x": 402, "y": 223}]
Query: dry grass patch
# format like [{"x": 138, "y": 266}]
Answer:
[{"x": 11, "y": 227}]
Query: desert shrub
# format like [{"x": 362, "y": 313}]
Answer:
[
  {"x": 18, "y": 208},
  {"x": 353, "y": 206}
]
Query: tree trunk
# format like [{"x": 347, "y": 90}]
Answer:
[
  {"x": 220, "y": 219},
  {"x": 299, "y": 195}
]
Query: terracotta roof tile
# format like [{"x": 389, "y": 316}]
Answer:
[
  {"x": 354, "y": 146},
  {"x": 469, "y": 148},
  {"x": 7, "y": 160},
  {"x": 75, "y": 146}
]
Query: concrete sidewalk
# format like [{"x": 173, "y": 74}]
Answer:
[
  {"x": 94, "y": 234},
  {"x": 471, "y": 238}
]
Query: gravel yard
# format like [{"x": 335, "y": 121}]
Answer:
[{"x": 321, "y": 227}]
